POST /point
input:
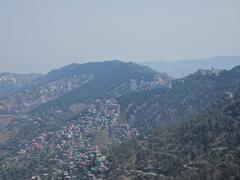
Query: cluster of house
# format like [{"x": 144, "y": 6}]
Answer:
[
  {"x": 7, "y": 78},
  {"x": 118, "y": 132},
  {"x": 157, "y": 81},
  {"x": 212, "y": 71},
  {"x": 71, "y": 152},
  {"x": 64, "y": 154},
  {"x": 75, "y": 156},
  {"x": 31, "y": 97}
]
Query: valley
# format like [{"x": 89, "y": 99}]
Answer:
[
  {"x": 115, "y": 120},
  {"x": 119, "y": 90}
]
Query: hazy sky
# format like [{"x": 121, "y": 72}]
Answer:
[{"x": 37, "y": 35}]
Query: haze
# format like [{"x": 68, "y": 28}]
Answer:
[{"x": 38, "y": 35}]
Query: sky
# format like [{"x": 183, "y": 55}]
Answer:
[{"x": 40, "y": 35}]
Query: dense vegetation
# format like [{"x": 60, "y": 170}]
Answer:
[
  {"x": 185, "y": 98},
  {"x": 204, "y": 147}
]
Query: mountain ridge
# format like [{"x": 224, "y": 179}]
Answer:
[
  {"x": 184, "y": 97},
  {"x": 76, "y": 82},
  {"x": 181, "y": 68}
]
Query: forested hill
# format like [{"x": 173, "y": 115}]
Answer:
[
  {"x": 206, "y": 146},
  {"x": 183, "y": 99},
  {"x": 82, "y": 82},
  {"x": 108, "y": 79},
  {"x": 98, "y": 69}
]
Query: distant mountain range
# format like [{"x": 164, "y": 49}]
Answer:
[{"x": 181, "y": 68}]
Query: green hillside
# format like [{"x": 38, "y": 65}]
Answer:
[
  {"x": 206, "y": 146},
  {"x": 185, "y": 97}
]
